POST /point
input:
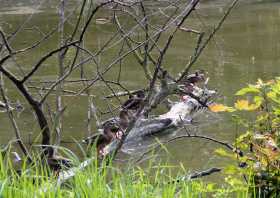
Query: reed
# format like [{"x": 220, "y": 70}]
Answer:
[{"x": 106, "y": 181}]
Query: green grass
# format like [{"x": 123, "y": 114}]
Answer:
[{"x": 107, "y": 181}]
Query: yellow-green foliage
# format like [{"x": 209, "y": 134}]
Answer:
[{"x": 261, "y": 140}]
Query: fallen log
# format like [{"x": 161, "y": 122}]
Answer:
[{"x": 179, "y": 115}]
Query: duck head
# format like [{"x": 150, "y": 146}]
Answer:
[{"x": 140, "y": 94}]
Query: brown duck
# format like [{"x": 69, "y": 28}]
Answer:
[
  {"x": 198, "y": 76},
  {"x": 112, "y": 129},
  {"x": 135, "y": 101}
]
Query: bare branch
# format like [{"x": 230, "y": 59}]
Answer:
[
  {"x": 202, "y": 47},
  {"x": 14, "y": 124},
  {"x": 44, "y": 58}
]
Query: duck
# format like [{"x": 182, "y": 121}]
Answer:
[
  {"x": 190, "y": 82},
  {"x": 187, "y": 89},
  {"x": 111, "y": 129},
  {"x": 124, "y": 119},
  {"x": 198, "y": 76},
  {"x": 114, "y": 128},
  {"x": 134, "y": 101}
]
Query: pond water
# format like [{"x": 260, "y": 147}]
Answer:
[{"x": 246, "y": 48}]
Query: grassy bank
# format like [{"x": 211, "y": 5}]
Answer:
[{"x": 95, "y": 181}]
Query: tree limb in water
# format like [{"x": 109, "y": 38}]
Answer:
[{"x": 200, "y": 174}]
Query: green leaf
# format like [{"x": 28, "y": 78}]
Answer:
[
  {"x": 246, "y": 90},
  {"x": 231, "y": 169},
  {"x": 244, "y": 105},
  {"x": 223, "y": 153},
  {"x": 258, "y": 100},
  {"x": 274, "y": 96},
  {"x": 234, "y": 181},
  {"x": 210, "y": 187},
  {"x": 2, "y": 185},
  {"x": 244, "y": 137}
]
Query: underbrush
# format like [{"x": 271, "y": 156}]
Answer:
[{"x": 257, "y": 111}]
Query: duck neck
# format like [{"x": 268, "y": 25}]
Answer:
[
  {"x": 109, "y": 134},
  {"x": 124, "y": 119}
]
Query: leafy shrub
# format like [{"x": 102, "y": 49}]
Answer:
[{"x": 260, "y": 162}]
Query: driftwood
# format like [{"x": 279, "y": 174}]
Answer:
[
  {"x": 179, "y": 115},
  {"x": 199, "y": 174}
]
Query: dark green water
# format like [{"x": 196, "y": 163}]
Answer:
[{"x": 246, "y": 48}]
